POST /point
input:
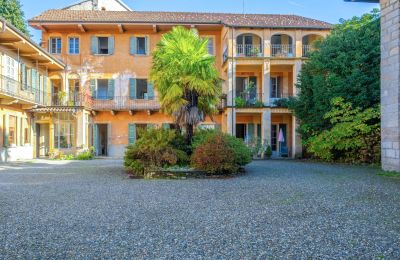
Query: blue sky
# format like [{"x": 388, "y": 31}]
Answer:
[{"x": 326, "y": 10}]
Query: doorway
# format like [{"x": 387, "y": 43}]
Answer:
[
  {"x": 241, "y": 131},
  {"x": 42, "y": 140},
  {"x": 100, "y": 139}
]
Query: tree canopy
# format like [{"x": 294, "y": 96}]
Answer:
[
  {"x": 11, "y": 10},
  {"x": 186, "y": 78},
  {"x": 346, "y": 64}
]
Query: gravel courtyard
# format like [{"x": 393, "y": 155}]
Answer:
[{"x": 278, "y": 209}]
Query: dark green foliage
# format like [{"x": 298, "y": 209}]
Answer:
[
  {"x": 282, "y": 102},
  {"x": 346, "y": 64},
  {"x": 215, "y": 156},
  {"x": 11, "y": 11},
  {"x": 156, "y": 148},
  {"x": 242, "y": 154},
  {"x": 354, "y": 136}
]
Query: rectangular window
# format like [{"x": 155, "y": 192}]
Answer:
[
  {"x": 64, "y": 131},
  {"x": 26, "y": 131},
  {"x": 55, "y": 45},
  {"x": 73, "y": 45},
  {"x": 139, "y": 129},
  {"x": 10, "y": 67},
  {"x": 12, "y": 130},
  {"x": 141, "y": 89},
  {"x": 275, "y": 87},
  {"x": 210, "y": 46},
  {"x": 103, "y": 45},
  {"x": 139, "y": 45},
  {"x": 102, "y": 88}
]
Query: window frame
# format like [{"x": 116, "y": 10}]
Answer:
[
  {"x": 66, "y": 123},
  {"x": 51, "y": 45},
  {"x": 146, "y": 38},
  {"x": 74, "y": 47},
  {"x": 214, "y": 44}
]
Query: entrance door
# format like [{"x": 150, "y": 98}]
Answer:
[
  {"x": 42, "y": 140},
  {"x": 241, "y": 131},
  {"x": 100, "y": 139},
  {"x": 274, "y": 140}
]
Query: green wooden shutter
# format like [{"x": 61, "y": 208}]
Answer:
[
  {"x": 23, "y": 77},
  {"x": 34, "y": 79},
  {"x": 95, "y": 139},
  {"x": 150, "y": 90},
  {"x": 166, "y": 126},
  {"x": 111, "y": 45},
  {"x": 250, "y": 131},
  {"x": 133, "y": 45},
  {"x": 95, "y": 45},
  {"x": 93, "y": 87},
  {"x": 111, "y": 85},
  {"x": 131, "y": 133},
  {"x": 132, "y": 88},
  {"x": 146, "y": 45}
]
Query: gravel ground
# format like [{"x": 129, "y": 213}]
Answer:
[{"x": 279, "y": 209}]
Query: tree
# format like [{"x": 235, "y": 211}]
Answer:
[
  {"x": 11, "y": 10},
  {"x": 186, "y": 78},
  {"x": 346, "y": 64},
  {"x": 354, "y": 136}
]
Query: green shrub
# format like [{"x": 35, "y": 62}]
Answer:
[
  {"x": 215, "y": 156},
  {"x": 242, "y": 154},
  {"x": 85, "y": 155},
  {"x": 240, "y": 102},
  {"x": 156, "y": 148}
]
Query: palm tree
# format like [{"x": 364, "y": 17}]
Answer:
[{"x": 186, "y": 78}]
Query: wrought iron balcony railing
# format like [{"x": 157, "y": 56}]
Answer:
[
  {"x": 16, "y": 89},
  {"x": 282, "y": 50},
  {"x": 249, "y": 50},
  {"x": 249, "y": 99},
  {"x": 125, "y": 103},
  {"x": 306, "y": 50},
  {"x": 71, "y": 100}
]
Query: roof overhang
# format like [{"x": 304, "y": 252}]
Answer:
[{"x": 14, "y": 39}]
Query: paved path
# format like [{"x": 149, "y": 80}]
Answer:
[{"x": 279, "y": 209}]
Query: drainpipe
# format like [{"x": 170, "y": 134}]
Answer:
[{"x": 233, "y": 84}]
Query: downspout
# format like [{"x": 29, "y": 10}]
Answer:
[{"x": 233, "y": 84}]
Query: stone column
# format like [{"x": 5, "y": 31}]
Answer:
[
  {"x": 390, "y": 84},
  {"x": 296, "y": 71},
  {"x": 266, "y": 126},
  {"x": 298, "y": 44},
  {"x": 231, "y": 121},
  {"x": 267, "y": 83},
  {"x": 297, "y": 149}
]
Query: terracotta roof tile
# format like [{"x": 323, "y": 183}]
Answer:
[{"x": 238, "y": 20}]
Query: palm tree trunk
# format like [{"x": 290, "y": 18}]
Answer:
[{"x": 189, "y": 134}]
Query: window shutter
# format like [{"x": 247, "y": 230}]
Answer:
[
  {"x": 131, "y": 133},
  {"x": 49, "y": 45},
  {"x": 210, "y": 46},
  {"x": 166, "y": 126},
  {"x": 45, "y": 79},
  {"x": 150, "y": 91},
  {"x": 93, "y": 87},
  {"x": 95, "y": 45},
  {"x": 34, "y": 79},
  {"x": 23, "y": 77},
  {"x": 279, "y": 91},
  {"x": 111, "y": 45},
  {"x": 95, "y": 139},
  {"x": 133, "y": 45},
  {"x": 132, "y": 88},
  {"x": 111, "y": 85},
  {"x": 250, "y": 131},
  {"x": 146, "y": 45}
]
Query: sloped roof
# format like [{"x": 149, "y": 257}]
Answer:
[{"x": 228, "y": 19}]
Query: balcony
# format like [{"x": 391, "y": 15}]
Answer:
[
  {"x": 249, "y": 50},
  {"x": 121, "y": 103},
  {"x": 282, "y": 50},
  {"x": 71, "y": 100},
  {"x": 249, "y": 100},
  {"x": 279, "y": 100},
  {"x": 14, "y": 89}
]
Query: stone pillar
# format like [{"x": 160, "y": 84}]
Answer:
[
  {"x": 267, "y": 83},
  {"x": 79, "y": 131},
  {"x": 297, "y": 149},
  {"x": 231, "y": 121},
  {"x": 298, "y": 44},
  {"x": 267, "y": 43},
  {"x": 296, "y": 71},
  {"x": 390, "y": 84},
  {"x": 266, "y": 126}
]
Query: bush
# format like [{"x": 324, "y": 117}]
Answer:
[
  {"x": 156, "y": 148},
  {"x": 85, "y": 155},
  {"x": 242, "y": 154},
  {"x": 215, "y": 156}
]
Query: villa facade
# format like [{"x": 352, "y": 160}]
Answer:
[{"x": 103, "y": 94}]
